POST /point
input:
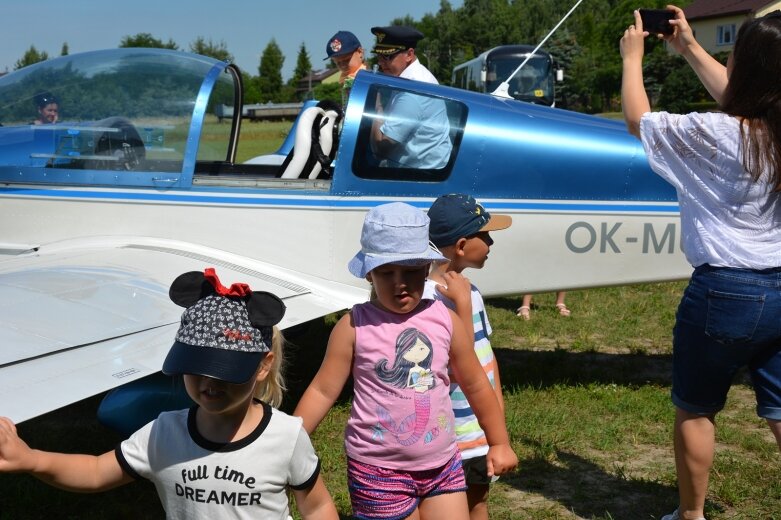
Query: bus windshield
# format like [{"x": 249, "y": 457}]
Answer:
[{"x": 533, "y": 83}]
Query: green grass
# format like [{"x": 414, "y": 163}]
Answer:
[{"x": 588, "y": 411}]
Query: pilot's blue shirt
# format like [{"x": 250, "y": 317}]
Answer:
[{"x": 420, "y": 125}]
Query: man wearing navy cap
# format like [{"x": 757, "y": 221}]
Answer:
[
  {"x": 344, "y": 49},
  {"x": 411, "y": 130},
  {"x": 395, "y": 51}
]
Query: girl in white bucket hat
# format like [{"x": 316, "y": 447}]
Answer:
[{"x": 400, "y": 440}]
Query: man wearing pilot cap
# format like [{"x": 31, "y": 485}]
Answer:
[
  {"x": 395, "y": 51},
  {"x": 409, "y": 130}
]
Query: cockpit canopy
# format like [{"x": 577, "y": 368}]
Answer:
[{"x": 129, "y": 110}]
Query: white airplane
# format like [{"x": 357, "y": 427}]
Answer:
[{"x": 102, "y": 210}]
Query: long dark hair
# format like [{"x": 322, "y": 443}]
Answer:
[
  {"x": 397, "y": 374},
  {"x": 753, "y": 94}
]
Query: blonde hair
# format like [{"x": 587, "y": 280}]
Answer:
[{"x": 272, "y": 388}]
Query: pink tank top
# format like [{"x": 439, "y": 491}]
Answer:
[{"x": 401, "y": 416}]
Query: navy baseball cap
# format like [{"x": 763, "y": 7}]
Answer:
[
  {"x": 395, "y": 38},
  {"x": 341, "y": 43},
  {"x": 225, "y": 332},
  {"x": 458, "y": 215}
]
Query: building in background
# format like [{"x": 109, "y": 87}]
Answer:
[{"x": 716, "y": 22}]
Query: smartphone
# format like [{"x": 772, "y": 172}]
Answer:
[{"x": 657, "y": 21}]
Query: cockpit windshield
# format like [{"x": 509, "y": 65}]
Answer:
[{"x": 117, "y": 110}]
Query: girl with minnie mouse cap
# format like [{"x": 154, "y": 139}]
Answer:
[{"x": 232, "y": 453}]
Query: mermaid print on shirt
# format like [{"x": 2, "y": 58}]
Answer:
[{"x": 410, "y": 369}]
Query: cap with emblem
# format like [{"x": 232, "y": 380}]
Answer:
[
  {"x": 225, "y": 332},
  {"x": 395, "y": 38},
  {"x": 341, "y": 43},
  {"x": 457, "y": 215}
]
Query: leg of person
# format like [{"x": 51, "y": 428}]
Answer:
[
  {"x": 563, "y": 310},
  {"x": 766, "y": 376},
  {"x": 775, "y": 427},
  {"x": 477, "y": 500},
  {"x": 524, "y": 311},
  {"x": 695, "y": 442},
  {"x": 442, "y": 492},
  {"x": 477, "y": 482},
  {"x": 447, "y": 506},
  {"x": 710, "y": 320}
]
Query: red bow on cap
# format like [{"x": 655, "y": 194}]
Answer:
[{"x": 237, "y": 289}]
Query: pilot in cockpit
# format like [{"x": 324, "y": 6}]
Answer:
[{"x": 48, "y": 108}]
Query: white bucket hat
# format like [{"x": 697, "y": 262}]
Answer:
[{"x": 394, "y": 233}]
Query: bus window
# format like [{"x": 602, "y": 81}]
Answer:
[{"x": 408, "y": 136}]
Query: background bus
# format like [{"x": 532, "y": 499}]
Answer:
[{"x": 533, "y": 83}]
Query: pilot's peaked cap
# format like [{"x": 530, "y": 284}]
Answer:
[{"x": 395, "y": 38}]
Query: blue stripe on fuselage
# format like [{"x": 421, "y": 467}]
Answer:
[{"x": 335, "y": 202}]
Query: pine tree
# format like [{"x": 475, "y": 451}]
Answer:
[
  {"x": 270, "y": 73},
  {"x": 216, "y": 50},
  {"x": 31, "y": 55}
]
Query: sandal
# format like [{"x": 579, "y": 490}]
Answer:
[
  {"x": 563, "y": 310},
  {"x": 524, "y": 311}
]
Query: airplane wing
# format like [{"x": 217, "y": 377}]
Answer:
[{"x": 83, "y": 316}]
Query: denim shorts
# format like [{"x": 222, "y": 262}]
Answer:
[{"x": 728, "y": 319}]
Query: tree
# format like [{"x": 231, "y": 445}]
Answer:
[
  {"x": 303, "y": 69},
  {"x": 31, "y": 55},
  {"x": 682, "y": 90},
  {"x": 329, "y": 91},
  {"x": 251, "y": 90},
  {"x": 64, "y": 51},
  {"x": 303, "y": 64},
  {"x": 270, "y": 73},
  {"x": 564, "y": 48},
  {"x": 218, "y": 51},
  {"x": 147, "y": 40}
]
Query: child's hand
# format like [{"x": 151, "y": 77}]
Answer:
[
  {"x": 500, "y": 459},
  {"x": 15, "y": 454},
  {"x": 457, "y": 288}
]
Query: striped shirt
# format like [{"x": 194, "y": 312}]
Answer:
[{"x": 469, "y": 436}]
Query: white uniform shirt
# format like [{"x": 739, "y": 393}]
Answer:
[
  {"x": 417, "y": 71},
  {"x": 727, "y": 219},
  {"x": 199, "y": 479}
]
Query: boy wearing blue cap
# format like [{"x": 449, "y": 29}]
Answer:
[
  {"x": 345, "y": 50},
  {"x": 459, "y": 227}
]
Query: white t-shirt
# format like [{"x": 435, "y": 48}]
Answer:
[
  {"x": 727, "y": 219},
  {"x": 417, "y": 71},
  {"x": 199, "y": 479}
]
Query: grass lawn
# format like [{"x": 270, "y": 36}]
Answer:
[{"x": 588, "y": 411}]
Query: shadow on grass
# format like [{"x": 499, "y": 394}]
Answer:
[
  {"x": 585, "y": 489},
  {"x": 562, "y": 367}
]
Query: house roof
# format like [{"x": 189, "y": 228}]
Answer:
[
  {"x": 319, "y": 75},
  {"x": 713, "y": 8}
]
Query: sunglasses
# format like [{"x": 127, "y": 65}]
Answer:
[{"x": 389, "y": 57}]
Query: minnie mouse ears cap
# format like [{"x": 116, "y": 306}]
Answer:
[{"x": 225, "y": 333}]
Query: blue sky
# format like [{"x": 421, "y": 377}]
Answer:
[{"x": 246, "y": 26}]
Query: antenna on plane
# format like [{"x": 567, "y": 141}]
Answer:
[{"x": 503, "y": 90}]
